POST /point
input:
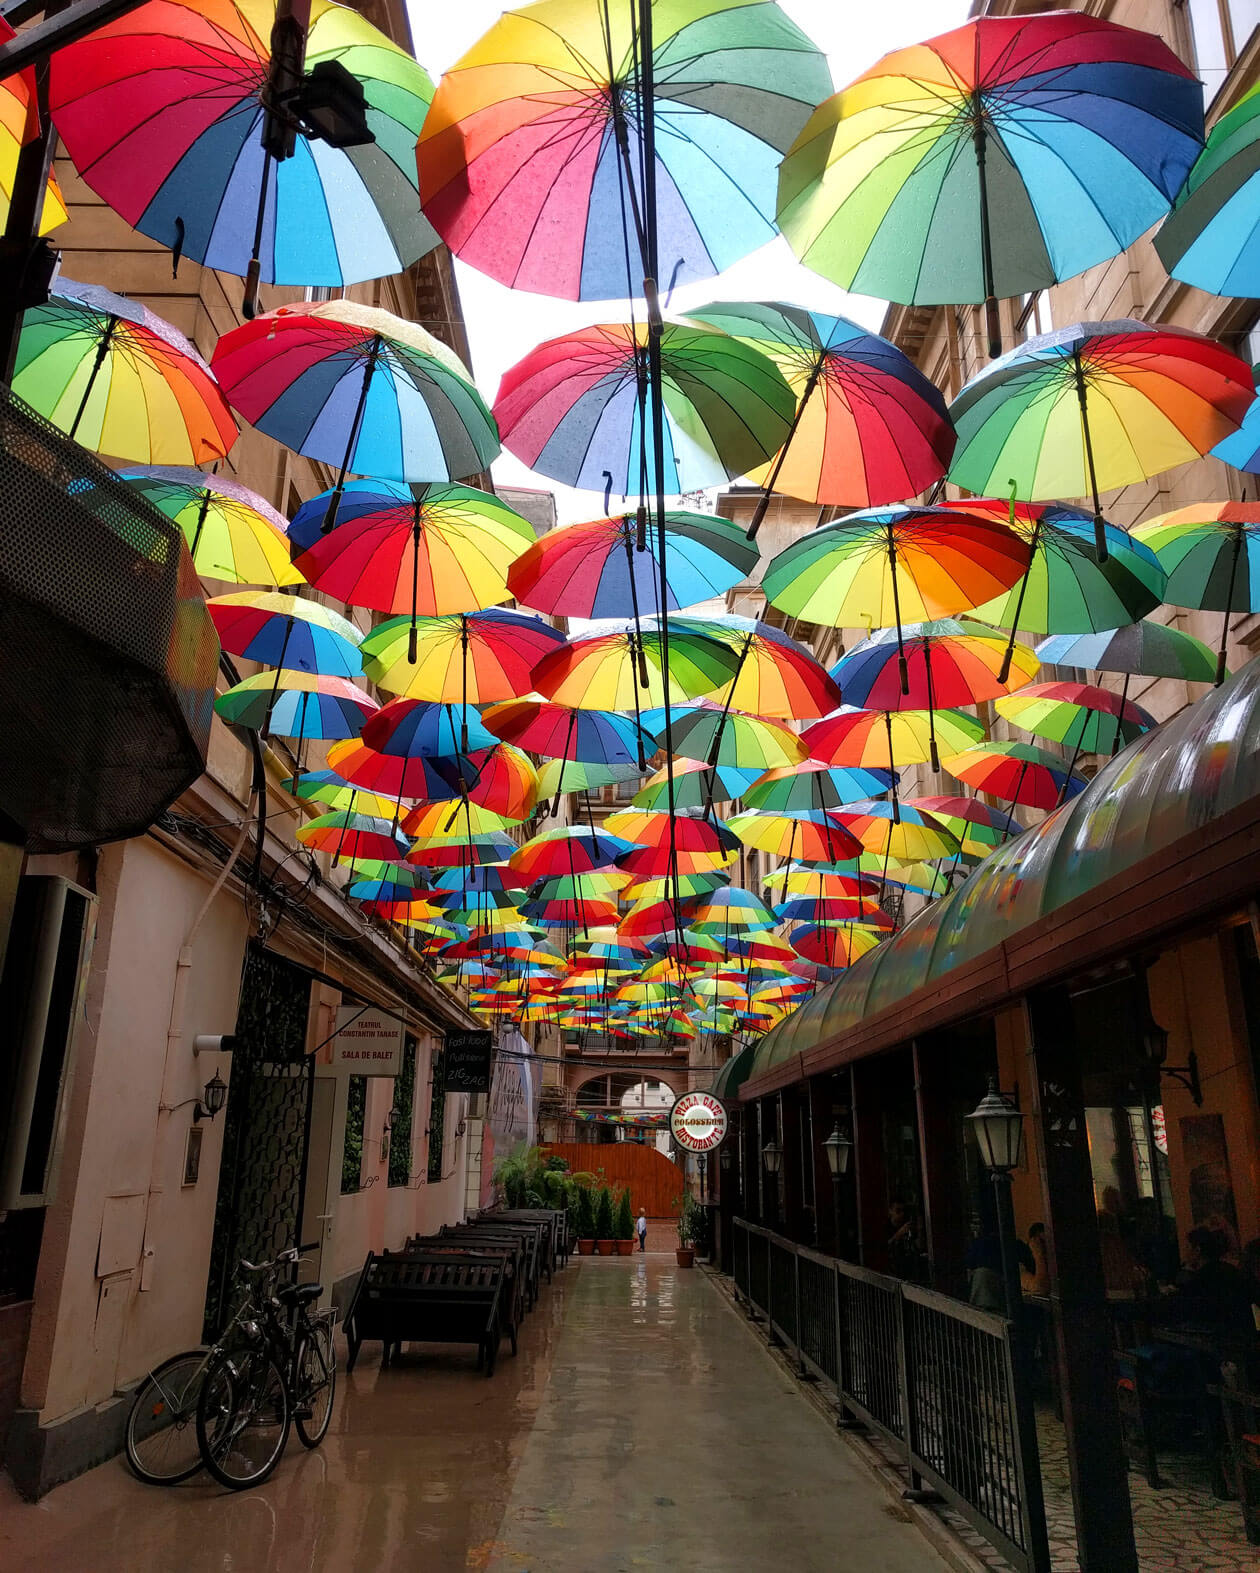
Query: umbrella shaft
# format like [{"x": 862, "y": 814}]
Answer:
[
  {"x": 993, "y": 324},
  {"x": 767, "y": 491},
  {"x": 102, "y": 349},
  {"x": 1082, "y": 396}
]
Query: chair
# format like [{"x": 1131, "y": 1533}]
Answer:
[{"x": 1242, "y": 1431}]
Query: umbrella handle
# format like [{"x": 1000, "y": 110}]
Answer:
[{"x": 1082, "y": 397}]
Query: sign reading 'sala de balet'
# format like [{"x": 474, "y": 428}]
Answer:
[
  {"x": 698, "y": 1122},
  {"x": 368, "y": 1042}
]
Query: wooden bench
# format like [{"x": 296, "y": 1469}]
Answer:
[
  {"x": 555, "y": 1218},
  {"x": 512, "y": 1252},
  {"x": 527, "y": 1236},
  {"x": 429, "y": 1297}
]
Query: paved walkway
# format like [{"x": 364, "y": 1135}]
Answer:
[{"x": 639, "y": 1427}]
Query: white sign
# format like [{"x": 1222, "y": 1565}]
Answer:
[
  {"x": 368, "y": 1042},
  {"x": 698, "y": 1122}
]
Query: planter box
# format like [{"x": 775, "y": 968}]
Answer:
[
  {"x": 605, "y": 1247},
  {"x": 586, "y": 1247},
  {"x": 624, "y": 1247},
  {"x": 685, "y": 1256}
]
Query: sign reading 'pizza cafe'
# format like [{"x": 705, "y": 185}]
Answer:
[{"x": 697, "y": 1122}]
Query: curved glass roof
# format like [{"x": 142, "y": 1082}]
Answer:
[{"x": 1173, "y": 780}]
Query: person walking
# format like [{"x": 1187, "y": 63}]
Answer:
[{"x": 641, "y": 1231}]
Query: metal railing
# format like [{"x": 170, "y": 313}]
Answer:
[{"x": 937, "y": 1378}]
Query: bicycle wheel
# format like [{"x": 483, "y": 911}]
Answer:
[
  {"x": 161, "y": 1435},
  {"x": 316, "y": 1385},
  {"x": 242, "y": 1419}
]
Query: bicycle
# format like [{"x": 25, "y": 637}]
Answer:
[{"x": 281, "y": 1367}]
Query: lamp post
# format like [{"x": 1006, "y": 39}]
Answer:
[
  {"x": 772, "y": 1158},
  {"x": 839, "y": 1150}
]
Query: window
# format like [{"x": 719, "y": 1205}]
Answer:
[
  {"x": 964, "y": 332},
  {"x": 1033, "y": 316},
  {"x": 627, "y": 789},
  {"x": 320, "y": 292},
  {"x": 437, "y": 1118},
  {"x": 400, "y": 1117},
  {"x": 352, "y": 1149},
  {"x": 1221, "y": 30}
]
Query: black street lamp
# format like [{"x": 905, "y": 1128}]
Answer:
[
  {"x": 838, "y": 1149},
  {"x": 772, "y": 1159},
  {"x": 213, "y": 1097}
]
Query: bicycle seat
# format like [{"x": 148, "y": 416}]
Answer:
[{"x": 299, "y": 1294}]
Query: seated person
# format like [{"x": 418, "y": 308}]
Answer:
[{"x": 1214, "y": 1293}]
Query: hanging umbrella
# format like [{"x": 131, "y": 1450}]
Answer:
[
  {"x": 428, "y": 551},
  {"x": 889, "y": 566},
  {"x": 582, "y": 777},
  {"x": 775, "y": 677},
  {"x": 797, "y": 880},
  {"x": 119, "y": 379},
  {"x": 718, "y": 736},
  {"x": 20, "y": 124},
  {"x": 874, "y": 738},
  {"x": 353, "y": 836},
  {"x": 328, "y": 789},
  {"x": 460, "y": 851},
  {"x": 406, "y": 727},
  {"x": 603, "y": 568},
  {"x": 974, "y": 825},
  {"x": 869, "y": 427},
  {"x": 1241, "y": 449},
  {"x": 300, "y": 705},
  {"x": 1211, "y": 554},
  {"x": 532, "y": 156},
  {"x": 1007, "y": 155},
  {"x": 1080, "y": 716},
  {"x": 683, "y": 832},
  {"x": 561, "y": 732},
  {"x": 1094, "y": 406},
  {"x": 232, "y": 533},
  {"x": 501, "y": 779},
  {"x": 814, "y": 785},
  {"x": 731, "y": 910},
  {"x": 908, "y": 834},
  {"x": 576, "y": 409},
  {"x": 454, "y": 817},
  {"x": 833, "y": 947},
  {"x": 398, "y": 777},
  {"x": 569, "y": 849},
  {"x": 1015, "y": 772},
  {"x": 1142, "y": 648},
  {"x": 694, "y": 786},
  {"x": 809, "y": 836},
  {"x": 162, "y": 113},
  {"x": 469, "y": 658},
  {"x": 286, "y": 631},
  {"x": 1209, "y": 238},
  {"x": 358, "y": 388},
  {"x": 832, "y": 909},
  {"x": 629, "y": 667}
]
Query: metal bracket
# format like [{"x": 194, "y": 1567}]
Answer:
[{"x": 1188, "y": 1076}]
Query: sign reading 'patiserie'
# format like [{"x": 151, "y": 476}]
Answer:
[
  {"x": 368, "y": 1042},
  {"x": 697, "y": 1122},
  {"x": 466, "y": 1063}
]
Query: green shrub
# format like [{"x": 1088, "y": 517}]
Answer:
[
  {"x": 625, "y": 1218},
  {"x": 585, "y": 1214},
  {"x": 604, "y": 1215}
]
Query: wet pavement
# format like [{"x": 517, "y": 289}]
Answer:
[{"x": 640, "y": 1426}]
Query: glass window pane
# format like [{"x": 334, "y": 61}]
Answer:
[
  {"x": 1209, "y": 44},
  {"x": 1244, "y": 17}
]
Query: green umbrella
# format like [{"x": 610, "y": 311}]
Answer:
[{"x": 1143, "y": 649}]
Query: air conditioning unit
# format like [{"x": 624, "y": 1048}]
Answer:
[{"x": 41, "y": 1002}]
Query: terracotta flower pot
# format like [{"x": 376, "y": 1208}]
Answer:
[
  {"x": 605, "y": 1247},
  {"x": 686, "y": 1255},
  {"x": 624, "y": 1247},
  {"x": 586, "y": 1247}
]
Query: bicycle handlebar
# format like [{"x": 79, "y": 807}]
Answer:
[{"x": 285, "y": 1258}]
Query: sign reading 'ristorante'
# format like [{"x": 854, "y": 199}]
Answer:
[{"x": 697, "y": 1122}]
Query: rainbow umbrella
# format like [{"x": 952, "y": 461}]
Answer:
[
  {"x": 1080, "y": 716},
  {"x": 286, "y": 631},
  {"x": 775, "y": 677},
  {"x": 1211, "y": 554},
  {"x": 657, "y": 862},
  {"x": 300, "y": 705},
  {"x": 119, "y": 379},
  {"x": 888, "y": 566},
  {"x": 797, "y": 880},
  {"x": 675, "y": 885},
  {"x": 568, "y": 849},
  {"x": 808, "y": 836},
  {"x": 602, "y": 568},
  {"x": 831, "y": 909},
  {"x": 501, "y": 779},
  {"x": 429, "y": 551},
  {"x": 330, "y": 790},
  {"x": 453, "y": 817},
  {"x": 353, "y": 836},
  {"x": 993, "y": 160},
  {"x": 974, "y": 825},
  {"x": 20, "y": 124},
  {"x": 1241, "y": 449},
  {"x": 582, "y": 911},
  {"x": 869, "y": 427},
  {"x": 460, "y": 851},
  {"x": 401, "y": 886},
  {"x": 694, "y": 786},
  {"x": 904, "y": 832},
  {"x": 814, "y": 785},
  {"x": 406, "y": 727},
  {"x": 563, "y": 732},
  {"x": 232, "y": 533},
  {"x": 631, "y": 666},
  {"x": 1015, "y": 772},
  {"x": 358, "y": 388},
  {"x": 833, "y": 947},
  {"x": 679, "y": 831},
  {"x": 1095, "y": 406},
  {"x": 397, "y": 777},
  {"x": 875, "y": 738},
  {"x": 582, "y": 777},
  {"x": 532, "y": 158},
  {"x": 576, "y": 409},
  {"x": 468, "y": 658},
  {"x": 1144, "y": 648},
  {"x": 182, "y": 158},
  {"x": 1209, "y": 238},
  {"x": 720, "y": 737}
]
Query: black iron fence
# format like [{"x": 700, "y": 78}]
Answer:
[{"x": 936, "y": 1377}]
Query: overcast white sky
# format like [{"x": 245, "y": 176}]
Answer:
[{"x": 505, "y": 324}]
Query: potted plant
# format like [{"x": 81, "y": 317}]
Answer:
[
  {"x": 585, "y": 1222},
  {"x": 604, "y": 1238},
  {"x": 625, "y": 1225},
  {"x": 685, "y": 1255}
]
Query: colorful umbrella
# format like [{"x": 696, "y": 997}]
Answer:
[
  {"x": 810, "y": 837},
  {"x": 19, "y": 124},
  {"x": 996, "y": 159},
  {"x": 119, "y": 379},
  {"x": 974, "y": 825},
  {"x": 630, "y": 667},
  {"x": 353, "y": 836},
  {"x": 358, "y": 388},
  {"x": 895, "y": 830},
  {"x": 453, "y": 817},
  {"x": 1095, "y": 406},
  {"x": 460, "y": 851},
  {"x": 602, "y": 568},
  {"x": 332, "y": 791},
  {"x": 869, "y": 427},
  {"x": 1142, "y": 648},
  {"x": 814, "y": 785},
  {"x": 888, "y": 566},
  {"x": 1015, "y": 772},
  {"x": 776, "y": 676},
  {"x": 286, "y": 631},
  {"x": 300, "y": 705},
  {"x": 576, "y": 409},
  {"x": 397, "y": 777},
  {"x": 429, "y": 551},
  {"x": 1085, "y": 718},
  {"x": 717, "y": 736},
  {"x": 876, "y": 738},
  {"x": 833, "y": 947},
  {"x": 476, "y": 658},
  {"x": 501, "y": 779},
  {"x": 232, "y": 533},
  {"x": 568, "y": 849},
  {"x": 162, "y": 113},
  {"x": 1209, "y": 238},
  {"x": 582, "y": 777},
  {"x": 560, "y": 732},
  {"x": 1241, "y": 449},
  {"x": 532, "y": 156},
  {"x": 694, "y": 786},
  {"x": 407, "y": 727},
  {"x": 732, "y": 910}
]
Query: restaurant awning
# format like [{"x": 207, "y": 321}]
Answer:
[
  {"x": 1173, "y": 792},
  {"x": 732, "y": 1075}
]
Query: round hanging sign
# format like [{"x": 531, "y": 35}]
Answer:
[{"x": 697, "y": 1122}]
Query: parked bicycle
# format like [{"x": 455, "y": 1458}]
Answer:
[{"x": 274, "y": 1362}]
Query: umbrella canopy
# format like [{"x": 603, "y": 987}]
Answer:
[
  {"x": 993, "y": 160},
  {"x": 460, "y": 851},
  {"x": 901, "y": 831},
  {"x": 974, "y": 825},
  {"x": 561, "y": 732},
  {"x": 1210, "y": 237},
  {"x": 468, "y": 658},
  {"x": 950, "y": 663},
  {"x": 775, "y": 676},
  {"x": 576, "y": 409},
  {"x": 120, "y": 379},
  {"x": 1016, "y": 772},
  {"x": 679, "y": 831},
  {"x": 232, "y": 533},
  {"x": 353, "y": 836},
  {"x": 398, "y": 777},
  {"x": 694, "y": 786},
  {"x": 359, "y": 388},
  {"x": 814, "y": 785},
  {"x": 1242, "y": 448},
  {"x": 532, "y": 156},
  {"x": 285, "y": 630},
  {"x": 430, "y": 551},
  {"x": 406, "y": 727},
  {"x": 453, "y": 817},
  {"x": 501, "y": 779},
  {"x": 833, "y": 947},
  {"x": 873, "y": 739},
  {"x": 300, "y": 705},
  {"x": 569, "y": 849},
  {"x": 182, "y": 160},
  {"x": 631, "y": 667},
  {"x": 1095, "y": 406},
  {"x": 869, "y": 427},
  {"x": 582, "y": 777},
  {"x": 1081, "y": 716},
  {"x": 718, "y": 736},
  {"x": 1143, "y": 648},
  {"x": 808, "y": 837},
  {"x": 735, "y": 909},
  {"x": 602, "y": 568},
  {"x": 332, "y": 791},
  {"x": 19, "y": 122}
]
